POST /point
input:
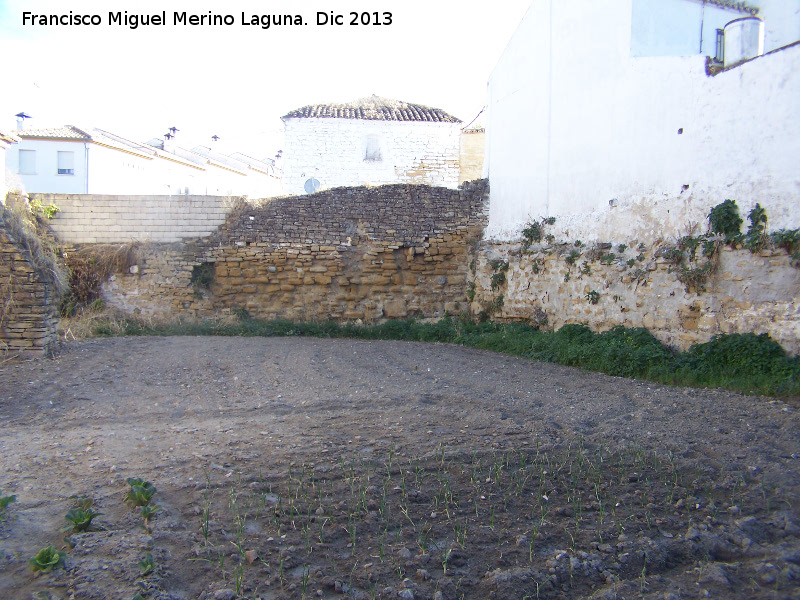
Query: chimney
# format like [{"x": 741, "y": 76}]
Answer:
[
  {"x": 744, "y": 39},
  {"x": 21, "y": 120}
]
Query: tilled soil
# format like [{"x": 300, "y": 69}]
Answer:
[{"x": 295, "y": 467}]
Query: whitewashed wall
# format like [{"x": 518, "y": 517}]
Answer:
[
  {"x": 332, "y": 151},
  {"x": 575, "y": 125},
  {"x": 46, "y": 177}
]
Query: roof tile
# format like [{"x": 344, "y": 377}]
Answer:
[{"x": 373, "y": 108}]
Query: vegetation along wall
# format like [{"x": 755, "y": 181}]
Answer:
[
  {"x": 683, "y": 289},
  {"x": 373, "y": 253}
]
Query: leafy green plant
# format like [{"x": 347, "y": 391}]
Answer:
[
  {"x": 79, "y": 519},
  {"x": 47, "y": 559},
  {"x": 148, "y": 512},
  {"x": 787, "y": 239},
  {"x": 38, "y": 208},
  {"x": 500, "y": 267},
  {"x": 757, "y": 238},
  {"x": 147, "y": 565},
  {"x": 724, "y": 219},
  {"x": 572, "y": 257},
  {"x": 471, "y": 291},
  {"x": 593, "y": 297},
  {"x": 533, "y": 232},
  {"x": 141, "y": 492},
  {"x": 4, "y": 502}
]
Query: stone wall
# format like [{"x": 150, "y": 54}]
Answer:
[
  {"x": 28, "y": 298},
  {"x": 95, "y": 218},
  {"x": 758, "y": 293},
  {"x": 345, "y": 254}
]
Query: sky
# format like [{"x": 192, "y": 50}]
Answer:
[{"x": 237, "y": 81}]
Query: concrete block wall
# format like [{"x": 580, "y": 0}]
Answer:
[{"x": 94, "y": 218}]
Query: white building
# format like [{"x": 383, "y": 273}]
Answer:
[
  {"x": 602, "y": 115},
  {"x": 70, "y": 160},
  {"x": 370, "y": 141},
  {"x": 6, "y": 139}
]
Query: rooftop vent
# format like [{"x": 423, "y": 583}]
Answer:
[{"x": 744, "y": 39}]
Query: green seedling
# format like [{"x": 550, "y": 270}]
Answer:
[
  {"x": 47, "y": 559},
  {"x": 148, "y": 512},
  {"x": 147, "y": 565},
  {"x": 79, "y": 519},
  {"x": 141, "y": 492},
  {"x": 83, "y": 502},
  {"x": 4, "y": 502}
]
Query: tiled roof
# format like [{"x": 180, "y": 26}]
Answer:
[
  {"x": 8, "y": 138},
  {"x": 374, "y": 108},
  {"x": 70, "y": 132}
]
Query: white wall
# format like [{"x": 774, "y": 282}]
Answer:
[
  {"x": 677, "y": 27},
  {"x": 575, "y": 123},
  {"x": 46, "y": 177},
  {"x": 3, "y": 182},
  {"x": 115, "y": 172},
  {"x": 781, "y": 22},
  {"x": 332, "y": 151}
]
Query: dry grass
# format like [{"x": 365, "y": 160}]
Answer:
[
  {"x": 30, "y": 233},
  {"x": 111, "y": 258}
]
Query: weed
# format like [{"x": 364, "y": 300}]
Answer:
[
  {"x": 500, "y": 267},
  {"x": 572, "y": 257},
  {"x": 724, "y": 219},
  {"x": 757, "y": 238},
  {"x": 47, "y": 559},
  {"x": 38, "y": 208},
  {"x": 203, "y": 276},
  {"x": 471, "y": 291},
  {"x": 593, "y": 297},
  {"x": 533, "y": 231}
]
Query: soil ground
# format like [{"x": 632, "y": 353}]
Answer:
[{"x": 296, "y": 467}]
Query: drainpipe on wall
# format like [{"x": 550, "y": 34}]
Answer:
[{"x": 86, "y": 167}]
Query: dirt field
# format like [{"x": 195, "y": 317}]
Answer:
[{"x": 291, "y": 468}]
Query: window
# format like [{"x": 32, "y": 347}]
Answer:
[
  {"x": 66, "y": 163},
  {"x": 719, "y": 55},
  {"x": 27, "y": 162},
  {"x": 372, "y": 149}
]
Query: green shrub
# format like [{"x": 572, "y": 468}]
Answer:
[{"x": 724, "y": 219}]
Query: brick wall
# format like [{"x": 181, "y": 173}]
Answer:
[
  {"x": 94, "y": 218},
  {"x": 28, "y": 300},
  {"x": 345, "y": 254}
]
